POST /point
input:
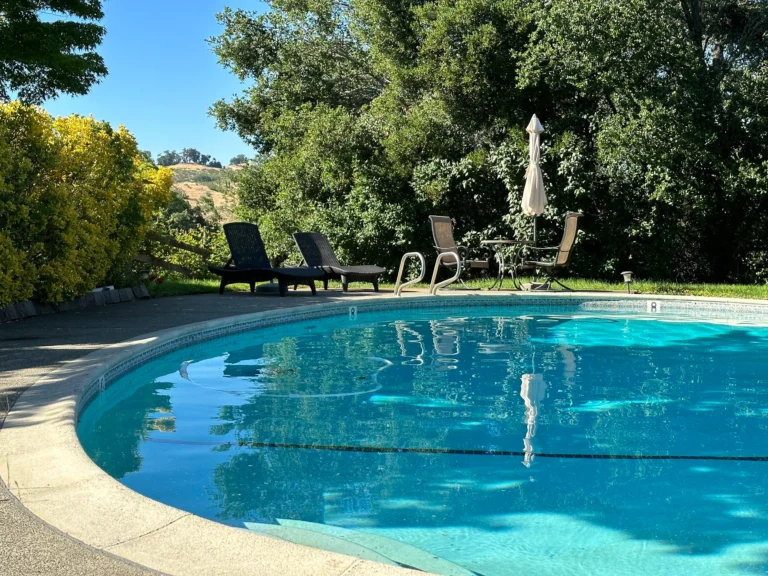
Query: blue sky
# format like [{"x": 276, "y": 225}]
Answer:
[{"x": 162, "y": 76}]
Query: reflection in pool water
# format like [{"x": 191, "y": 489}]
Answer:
[
  {"x": 190, "y": 429},
  {"x": 532, "y": 392}
]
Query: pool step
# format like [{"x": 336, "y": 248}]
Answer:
[
  {"x": 318, "y": 540},
  {"x": 394, "y": 550}
]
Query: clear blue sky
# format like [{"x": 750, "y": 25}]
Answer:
[{"x": 163, "y": 76}]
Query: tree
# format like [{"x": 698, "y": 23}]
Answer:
[
  {"x": 190, "y": 156},
  {"x": 239, "y": 159},
  {"x": 368, "y": 116},
  {"x": 42, "y": 59},
  {"x": 678, "y": 137},
  {"x": 75, "y": 203},
  {"x": 208, "y": 208},
  {"x": 168, "y": 158},
  {"x": 179, "y": 214}
]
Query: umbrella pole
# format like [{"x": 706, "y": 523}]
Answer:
[{"x": 535, "y": 218}]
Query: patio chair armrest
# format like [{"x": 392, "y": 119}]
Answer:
[
  {"x": 543, "y": 248},
  {"x": 486, "y": 253}
]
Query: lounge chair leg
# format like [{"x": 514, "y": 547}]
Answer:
[
  {"x": 556, "y": 281},
  {"x": 375, "y": 284},
  {"x": 325, "y": 283},
  {"x": 283, "y": 284},
  {"x": 344, "y": 284},
  {"x": 312, "y": 287},
  {"x": 253, "y": 286}
]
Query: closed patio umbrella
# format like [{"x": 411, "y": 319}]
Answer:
[{"x": 534, "y": 197}]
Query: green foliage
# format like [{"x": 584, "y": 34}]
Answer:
[
  {"x": 208, "y": 238},
  {"x": 76, "y": 198},
  {"x": 188, "y": 155},
  {"x": 168, "y": 158},
  {"x": 42, "y": 59},
  {"x": 180, "y": 214},
  {"x": 239, "y": 159},
  {"x": 370, "y": 115},
  {"x": 198, "y": 226},
  {"x": 192, "y": 156}
]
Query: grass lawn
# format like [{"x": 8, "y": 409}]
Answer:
[{"x": 186, "y": 287}]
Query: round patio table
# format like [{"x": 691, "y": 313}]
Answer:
[{"x": 504, "y": 249}]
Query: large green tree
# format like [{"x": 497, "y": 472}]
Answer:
[
  {"x": 168, "y": 158},
  {"x": 370, "y": 114},
  {"x": 41, "y": 58}
]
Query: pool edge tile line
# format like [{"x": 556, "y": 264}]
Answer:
[{"x": 39, "y": 442}]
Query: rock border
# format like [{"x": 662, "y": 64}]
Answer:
[{"x": 30, "y": 308}]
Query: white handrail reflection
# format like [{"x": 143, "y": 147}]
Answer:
[{"x": 532, "y": 391}]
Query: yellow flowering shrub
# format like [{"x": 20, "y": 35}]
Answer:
[{"x": 76, "y": 199}]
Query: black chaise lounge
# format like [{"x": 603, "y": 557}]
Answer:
[
  {"x": 317, "y": 252},
  {"x": 551, "y": 268},
  {"x": 442, "y": 234},
  {"x": 251, "y": 263}
]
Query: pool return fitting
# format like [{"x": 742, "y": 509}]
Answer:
[{"x": 433, "y": 288}]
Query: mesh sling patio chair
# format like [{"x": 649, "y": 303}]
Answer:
[
  {"x": 551, "y": 268},
  {"x": 317, "y": 252},
  {"x": 251, "y": 263},
  {"x": 442, "y": 234}
]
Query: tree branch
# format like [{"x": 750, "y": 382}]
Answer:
[{"x": 692, "y": 14}]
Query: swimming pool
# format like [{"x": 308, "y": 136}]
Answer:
[{"x": 470, "y": 440}]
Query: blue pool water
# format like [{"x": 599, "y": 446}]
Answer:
[{"x": 487, "y": 441}]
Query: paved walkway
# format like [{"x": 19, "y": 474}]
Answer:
[{"x": 31, "y": 348}]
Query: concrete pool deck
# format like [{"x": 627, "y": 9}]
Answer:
[{"x": 32, "y": 349}]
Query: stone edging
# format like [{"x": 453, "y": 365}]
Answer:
[
  {"x": 21, "y": 310},
  {"x": 45, "y": 467}
]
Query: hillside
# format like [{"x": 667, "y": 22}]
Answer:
[{"x": 195, "y": 181}]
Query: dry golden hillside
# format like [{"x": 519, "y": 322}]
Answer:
[{"x": 195, "y": 181}]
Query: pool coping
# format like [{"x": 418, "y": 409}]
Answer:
[{"x": 45, "y": 467}]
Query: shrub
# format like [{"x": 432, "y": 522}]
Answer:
[
  {"x": 76, "y": 198},
  {"x": 207, "y": 237},
  {"x": 198, "y": 226}
]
